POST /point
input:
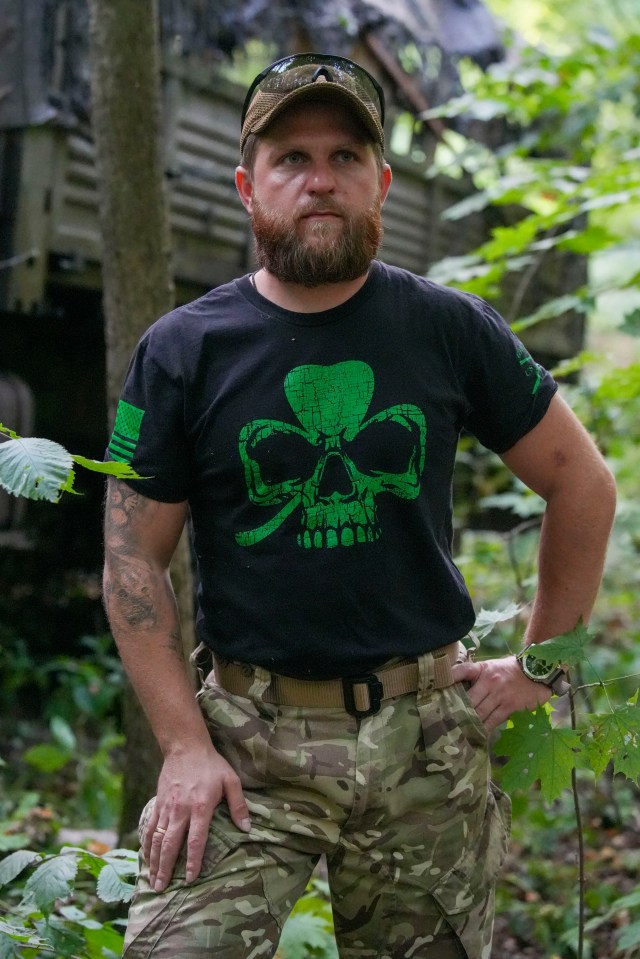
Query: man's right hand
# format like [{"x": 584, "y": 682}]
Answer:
[{"x": 191, "y": 785}]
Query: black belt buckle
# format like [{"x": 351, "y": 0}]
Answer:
[{"x": 375, "y": 689}]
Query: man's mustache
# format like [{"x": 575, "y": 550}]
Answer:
[{"x": 325, "y": 206}]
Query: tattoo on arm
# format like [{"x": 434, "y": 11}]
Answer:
[{"x": 131, "y": 585}]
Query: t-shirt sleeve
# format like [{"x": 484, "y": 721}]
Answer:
[
  {"x": 507, "y": 391},
  {"x": 149, "y": 430}
]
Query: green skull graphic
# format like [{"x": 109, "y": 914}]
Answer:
[{"x": 331, "y": 403}]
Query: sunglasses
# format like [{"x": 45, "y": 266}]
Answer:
[{"x": 270, "y": 80}]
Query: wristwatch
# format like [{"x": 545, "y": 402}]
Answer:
[{"x": 540, "y": 671}]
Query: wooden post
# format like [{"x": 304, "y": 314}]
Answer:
[{"x": 136, "y": 266}]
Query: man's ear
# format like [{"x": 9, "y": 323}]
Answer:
[
  {"x": 244, "y": 187},
  {"x": 385, "y": 182}
]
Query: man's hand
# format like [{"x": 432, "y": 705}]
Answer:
[
  {"x": 499, "y": 688},
  {"x": 190, "y": 787}
]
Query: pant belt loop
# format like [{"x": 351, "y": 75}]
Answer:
[
  {"x": 426, "y": 676},
  {"x": 442, "y": 667},
  {"x": 260, "y": 684}
]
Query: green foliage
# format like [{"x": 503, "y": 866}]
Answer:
[
  {"x": 615, "y": 738},
  {"x": 80, "y": 756},
  {"x": 40, "y": 469},
  {"x": 308, "y": 932},
  {"x": 538, "y": 751},
  {"x": 488, "y": 619},
  {"x": 570, "y": 165},
  {"x": 53, "y": 914},
  {"x": 87, "y": 688},
  {"x": 95, "y": 776}
]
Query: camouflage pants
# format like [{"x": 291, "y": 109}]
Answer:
[{"x": 401, "y": 804}]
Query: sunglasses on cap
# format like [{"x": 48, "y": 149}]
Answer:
[{"x": 274, "y": 79}]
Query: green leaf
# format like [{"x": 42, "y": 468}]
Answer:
[
  {"x": 35, "y": 468},
  {"x": 574, "y": 364},
  {"x": 86, "y": 860},
  {"x": 104, "y": 943},
  {"x": 111, "y": 888},
  {"x": 620, "y": 384},
  {"x": 569, "y": 648},
  {"x": 592, "y": 238},
  {"x": 630, "y": 936},
  {"x": 304, "y": 932},
  {"x": 615, "y": 737},
  {"x": 13, "y": 865},
  {"x": 52, "y": 880},
  {"x": 539, "y": 752},
  {"x": 15, "y": 840},
  {"x": 47, "y": 757},
  {"x": 525, "y": 505},
  {"x": 125, "y": 861},
  {"x": 631, "y": 325},
  {"x": 67, "y": 942},
  {"x": 8, "y": 946},
  {"x": 63, "y": 733},
  {"x": 74, "y": 914},
  {"x": 549, "y": 310},
  {"x": 474, "y": 203},
  {"x": 13, "y": 933},
  {"x": 119, "y": 470},
  {"x": 488, "y": 619},
  {"x": 623, "y": 904}
]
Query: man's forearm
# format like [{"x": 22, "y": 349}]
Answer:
[
  {"x": 140, "y": 536},
  {"x": 573, "y": 546},
  {"x": 144, "y": 621}
]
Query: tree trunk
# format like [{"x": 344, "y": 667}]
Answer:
[{"x": 136, "y": 269}]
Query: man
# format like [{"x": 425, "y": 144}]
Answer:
[{"x": 307, "y": 418}]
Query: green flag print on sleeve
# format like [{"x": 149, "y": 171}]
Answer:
[
  {"x": 330, "y": 404},
  {"x": 126, "y": 432}
]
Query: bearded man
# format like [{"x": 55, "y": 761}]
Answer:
[{"x": 307, "y": 418}]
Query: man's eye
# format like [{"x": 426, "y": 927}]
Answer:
[{"x": 292, "y": 158}]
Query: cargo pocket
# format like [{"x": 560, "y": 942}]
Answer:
[
  {"x": 474, "y": 876},
  {"x": 161, "y": 923}
]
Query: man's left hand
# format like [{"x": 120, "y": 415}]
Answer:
[{"x": 499, "y": 688}]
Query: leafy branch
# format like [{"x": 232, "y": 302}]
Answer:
[
  {"x": 41, "y": 469},
  {"x": 540, "y": 751},
  {"x": 567, "y": 202},
  {"x": 45, "y": 920}
]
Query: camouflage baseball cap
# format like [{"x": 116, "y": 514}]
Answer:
[{"x": 305, "y": 76}]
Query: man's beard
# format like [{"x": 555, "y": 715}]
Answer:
[{"x": 322, "y": 254}]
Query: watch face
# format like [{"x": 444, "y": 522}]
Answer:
[{"x": 538, "y": 668}]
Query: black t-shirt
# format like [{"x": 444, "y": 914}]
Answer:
[{"x": 316, "y": 451}]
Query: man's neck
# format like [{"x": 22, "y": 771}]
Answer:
[{"x": 304, "y": 299}]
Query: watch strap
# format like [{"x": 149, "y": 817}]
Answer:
[{"x": 560, "y": 685}]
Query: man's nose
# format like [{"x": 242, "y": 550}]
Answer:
[{"x": 321, "y": 178}]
